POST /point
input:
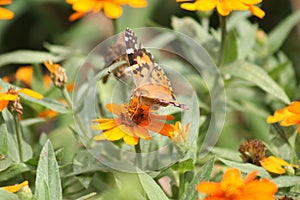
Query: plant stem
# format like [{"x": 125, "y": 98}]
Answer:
[
  {"x": 19, "y": 135},
  {"x": 181, "y": 184},
  {"x": 138, "y": 158},
  {"x": 76, "y": 116},
  {"x": 223, "y": 39}
]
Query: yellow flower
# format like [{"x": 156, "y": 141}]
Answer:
[
  {"x": 224, "y": 7},
  {"x": 58, "y": 74},
  {"x": 12, "y": 97},
  {"x": 15, "y": 188},
  {"x": 180, "y": 133},
  {"x": 276, "y": 165},
  {"x": 112, "y": 8},
  {"x": 288, "y": 116},
  {"x": 133, "y": 122},
  {"x": 4, "y": 13},
  {"x": 233, "y": 187}
]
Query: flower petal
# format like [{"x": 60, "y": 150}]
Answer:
[
  {"x": 15, "y": 188},
  {"x": 257, "y": 11},
  {"x": 3, "y": 104},
  {"x": 8, "y": 97},
  {"x": 107, "y": 125},
  {"x": 6, "y": 14},
  {"x": 25, "y": 74},
  {"x": 274, "y": 164},
  {"x": 76, "y": 16},
  {"x": 279, "y": 115},
  {"x": 141, "y": 132},
  {"x": 130, "y": 140},
  {"x": 31, "y": 93},
  {"x": 188, "y": 6},
  {"x": 114, "y": 108},
  {"x": 126, "y": 130},
  {"x": 115, "y": 134},
  {"x": 210, "y": 188},
  {"x": 295, "y": 107},
  {"x": 112, "y": 10}
]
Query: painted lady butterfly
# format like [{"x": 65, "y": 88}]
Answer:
[{"x": 152, "y": 86}]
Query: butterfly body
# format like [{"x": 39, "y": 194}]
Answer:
[{"x": 152, "y": 86}]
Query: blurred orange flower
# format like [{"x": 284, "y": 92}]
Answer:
[
  {"x": 133, "y": 122},
  {"x": 233, "y": 187},
  {"x": 276, "y": 165},
  {"x": 288, "y": 116},
  {"x": 224, "y": 7},
  {"x": 15, "y": 188},
  {"x": 4, "y": 13},
  {"x": 25, "y": 76},
  {"x": 112, "y": 8}
]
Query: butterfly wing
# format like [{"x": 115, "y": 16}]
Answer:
[
  {"x": 152, "y": 86},
  {"x": 145, "y": 70}
]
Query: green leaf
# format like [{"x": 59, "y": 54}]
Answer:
[
  {"x": 203, "y": 175},
  {"x": 3, "y": 137},
  {"x": 47, "y": 176},
  {"x": 246, "y": 167},
  {"x": 258, "y": 76},
  {"x": 27, "y": 56},
  {"x": 48, "y": 103},
  {"x": 184, "y": 166},
  {"x": 151, "y": 188},
  {"x": 286, "y": 181},
  {"x": 8, "y": 195},
  {"x": 231, "y": 48},
  {"x": 84, "y": 161},
  {"x": 279, "y": 34},
  {"x": 12, "y": 171},
  {"x": 227, "y": 153}
]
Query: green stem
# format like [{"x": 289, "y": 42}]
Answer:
[
  {"x": 223, "y": 39},
  {"x": 181, "y": 184},
  {"x": 19, "y": 136},
  {"x": 71, "y": 105},
  {"x": 138, "y": 158}
]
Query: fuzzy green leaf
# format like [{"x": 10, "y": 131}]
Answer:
[
  {"x": 48, "y": 178},
  {"x": 203, "y": 175},
  {"x": 8, "y": 195},
  {"x": 12, "y": 171},
  {"x": 279, "y": 34},
  {"x": 258, "y": 76},
  {"x": 151, "y": 188},
  {"x": 27, "y": 56}
]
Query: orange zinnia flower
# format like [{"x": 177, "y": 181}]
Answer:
[
  {"x": 15, "y": 188},
  {"x": 233, "y": 187},
  {"x": 276, "y": 165},
  {"x": 111, "y": 8},
  {"x": 132, "y": 123},
  {"x": 224, "y": 7},
  {"x": 288, "y": 116},
  {"x": 4, "y": 13},
  {"x": 12, "y": 95}
]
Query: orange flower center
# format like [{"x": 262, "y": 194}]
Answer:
[{"x": 232, "y": 188}]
